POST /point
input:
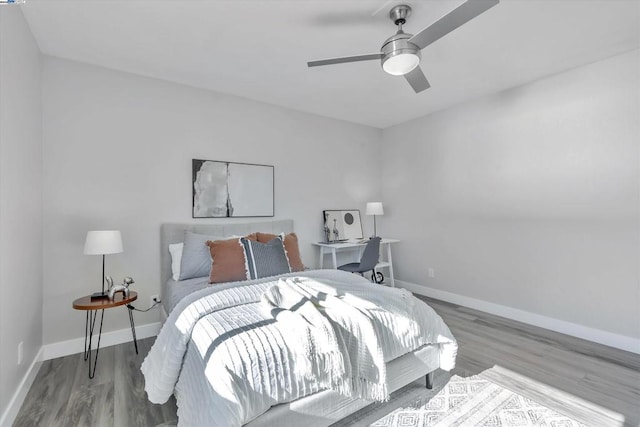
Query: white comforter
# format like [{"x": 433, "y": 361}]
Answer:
[{"x": 227, "y": 361}]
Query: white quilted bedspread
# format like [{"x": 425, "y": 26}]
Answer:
[{"x": 227, "y": 361}]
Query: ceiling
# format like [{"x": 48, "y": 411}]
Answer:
[{"x": 258, "y": 49}]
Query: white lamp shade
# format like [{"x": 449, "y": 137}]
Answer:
[
  {"x": 374, "y": 208},
  {"x": 103, "y": 242}
]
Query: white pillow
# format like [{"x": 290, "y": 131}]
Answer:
[{"x": 176, "y": 258}]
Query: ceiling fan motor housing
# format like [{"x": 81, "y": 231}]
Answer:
[
  {"x": 398, "y": 46},
  {"x": 399, "y": 14}
]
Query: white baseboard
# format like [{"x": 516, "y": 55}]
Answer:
[
  {"x": 76, "y": 345},
  {"x": 15, "y": 403},
  {"x": 610, "y": 339}
]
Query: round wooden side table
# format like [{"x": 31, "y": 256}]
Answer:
[{"x": 91, "y": 307}]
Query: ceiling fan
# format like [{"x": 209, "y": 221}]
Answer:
[{"x": 400, "y": 53}]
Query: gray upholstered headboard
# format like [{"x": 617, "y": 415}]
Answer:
[{"x": 174, "y": 233}]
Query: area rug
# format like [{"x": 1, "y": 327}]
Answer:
[{"x": 457, "y": 401}]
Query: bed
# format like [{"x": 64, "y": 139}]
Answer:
[{"x": 209, "y": 391}]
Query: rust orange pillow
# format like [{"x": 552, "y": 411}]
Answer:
[
  {"x": 228, "y": 260},
  {"x": 290, "y": 246}
]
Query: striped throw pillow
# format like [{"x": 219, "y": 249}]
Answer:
[{"x": 265, "y": 259}]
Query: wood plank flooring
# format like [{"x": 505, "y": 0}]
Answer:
[
  {"x": 63, "y": 395},
  {"x": 594, "y": 384}
]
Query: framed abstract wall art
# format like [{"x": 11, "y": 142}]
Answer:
[{"x": 226, "y": 189}]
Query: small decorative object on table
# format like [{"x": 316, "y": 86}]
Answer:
[
  {"x": 327, "y": 232},
  {"x": 124, "y": 287}
]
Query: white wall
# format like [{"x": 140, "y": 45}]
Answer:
[
  {"x": 117, "y": 154},
  {"x": 528, "y": 198},
  {"x": 20, "y": 201}
]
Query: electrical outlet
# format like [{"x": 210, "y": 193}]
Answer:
[
  {"x": 432, "y": 273},
  {"x": 20, "y": 352},
  {"x": 154, "y": 299}
]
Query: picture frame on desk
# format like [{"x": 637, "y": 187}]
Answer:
[{"x": 342, "y": 225}]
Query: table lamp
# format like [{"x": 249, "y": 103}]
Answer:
[
  {"x": 375, "y": 209},
  {"x": 103, "y": 243}
]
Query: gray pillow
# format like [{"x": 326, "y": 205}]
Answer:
[
  {"x": 196, "y": 258},
  {"x": 265, "y": 259}
]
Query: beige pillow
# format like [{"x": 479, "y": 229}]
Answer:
[
  {"x": 228, "y": 260},
  {"x": 290, "y": 246}
]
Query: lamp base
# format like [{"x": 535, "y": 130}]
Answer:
[{"x": 99, "y": 295}]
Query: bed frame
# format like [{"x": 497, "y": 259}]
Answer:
[{"x": 326, "y": 407}]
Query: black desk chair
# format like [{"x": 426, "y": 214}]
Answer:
[{"x": 368, "y": 261}]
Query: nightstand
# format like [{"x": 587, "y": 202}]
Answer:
[{"x": 91, "y": 307}]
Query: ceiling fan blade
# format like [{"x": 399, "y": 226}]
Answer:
[
  {"x": 344, "y": 59},
  {"x": 417, "y": 80},
  {"x": 454, "y": 19}
]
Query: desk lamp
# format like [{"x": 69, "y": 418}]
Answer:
[
  {"x": 375, "y": 209},
  {"x": 103, "y": 243}
]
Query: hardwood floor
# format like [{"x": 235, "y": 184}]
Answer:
[
  {"x": 63, "y": 395},
  {"x": 594, "y": 384}
]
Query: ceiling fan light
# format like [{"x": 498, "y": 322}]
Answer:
[{"x": 401, "y": 64}]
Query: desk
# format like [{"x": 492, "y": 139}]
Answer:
[
  {"x": 91, "y": 307},
  {"x": 385, "y": 249}
]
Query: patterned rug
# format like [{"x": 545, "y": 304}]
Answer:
[{"x": 460, "y": 401}]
